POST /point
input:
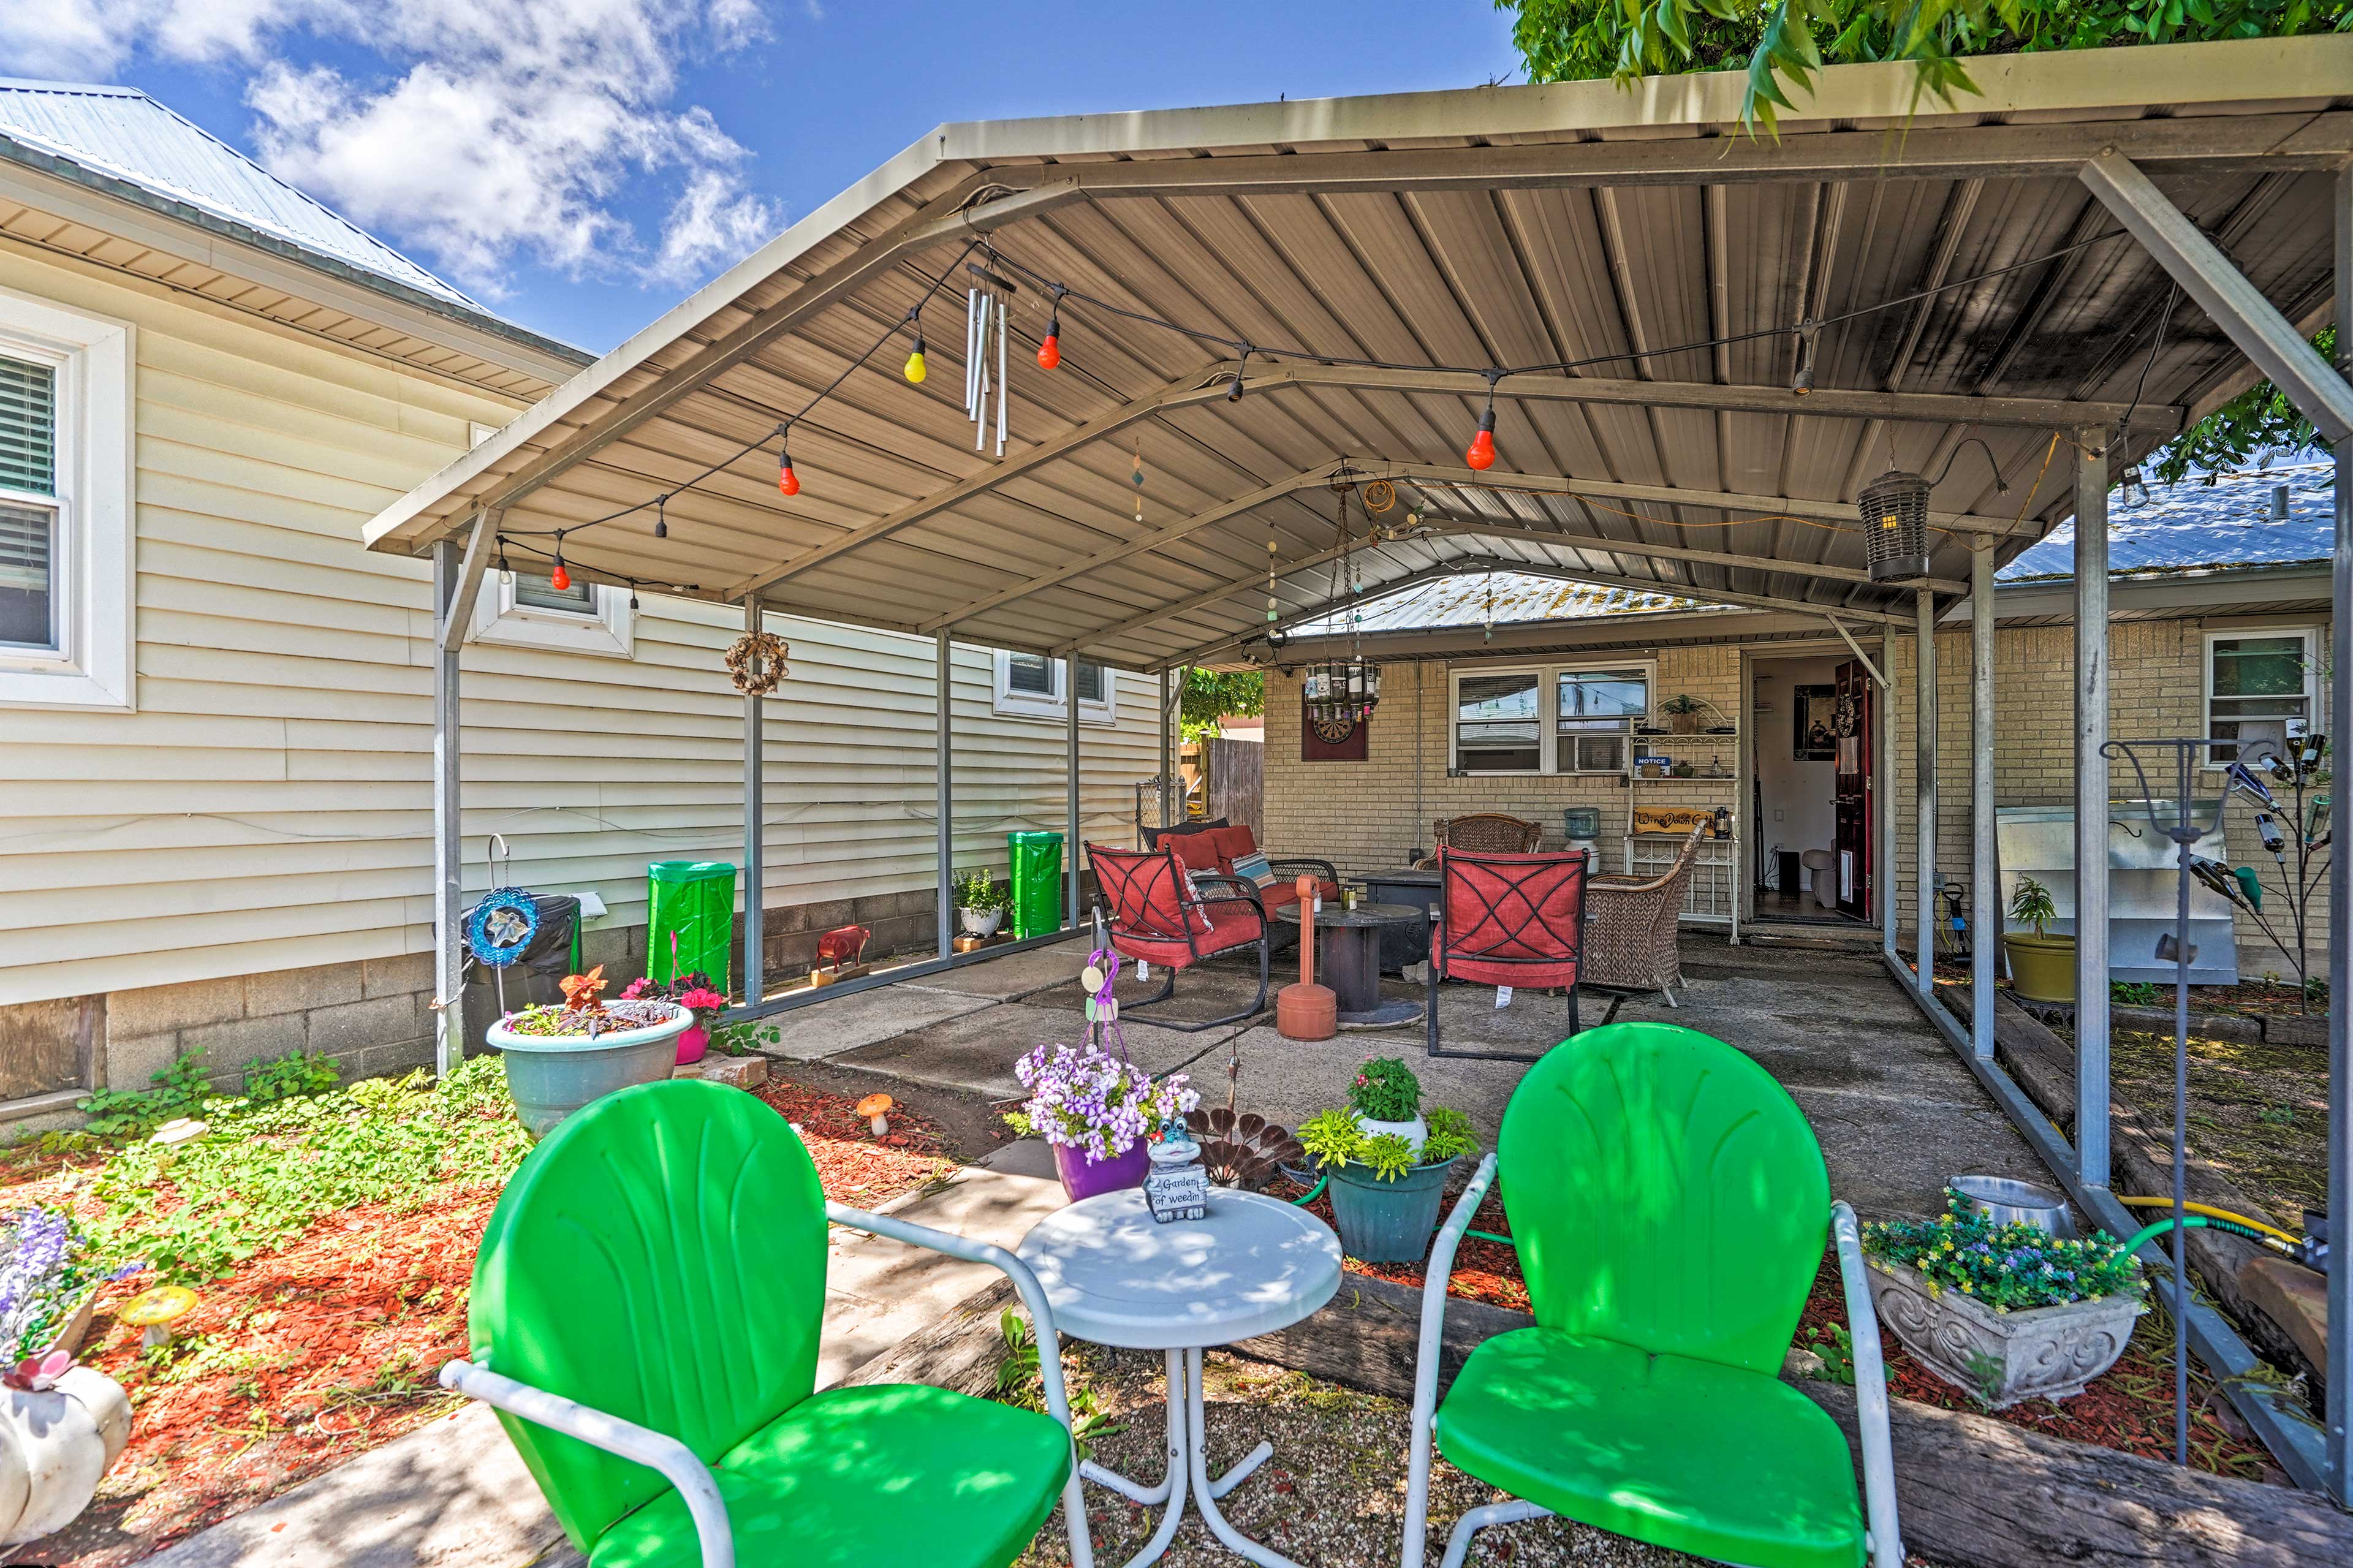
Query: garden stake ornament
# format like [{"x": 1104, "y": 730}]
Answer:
[{"x": 1102, "y": 1008}]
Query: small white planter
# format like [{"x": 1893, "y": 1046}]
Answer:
[
  {"x": 980, "y": 923},
  {"x": 2042, "y": 1353},
  {"x": 1415, "y": 1132},
  {"x": 54, "y": 1446}
]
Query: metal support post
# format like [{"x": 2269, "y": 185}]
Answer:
[
  {"x": 2092, "y": 807},
  {"x": 1924, "y": 787},
  {"x": 1071, "y": 851},
  {"x": 1884, "y": 875},
  {"x": 448, "y": 890},
  {"x": 1168, "y": 751},
  {"x": 1985, "y": 902},
  {"x": 756, "y": 861},
  {"x": 944, "y": 788},
  {"x": 2340, "y": 895}
]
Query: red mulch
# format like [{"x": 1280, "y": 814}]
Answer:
[
  {"x": 2129, "y": 1406},
  {"x": 315, "y": 1353}
]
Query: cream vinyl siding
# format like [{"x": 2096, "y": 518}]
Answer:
[{"x": 267, "y": 805}]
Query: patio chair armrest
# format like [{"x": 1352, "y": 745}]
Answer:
[
  {"x": 1441, "y": 1269},
  {"x": 1324, "y": 869},
  {"x": 655, "y": 1450},
  {"x": 1870, "y": 1394}
]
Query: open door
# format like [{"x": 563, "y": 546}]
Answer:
[{"x": 1857, "y": 724}]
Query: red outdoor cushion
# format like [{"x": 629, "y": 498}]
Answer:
[
  {"x": 1232, "y": 843},
  {"x": 1283, "y": 892},
  {"x": 1198, "y": 851},
  {"x": 1146, "y": 892},
  {"x": 1231, "y": 925},
  {"x": 1510, "y": 920}
]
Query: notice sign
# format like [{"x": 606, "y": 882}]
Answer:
[
  {"x": 1178, "y": 1192},
  {"x": 1672, "y": 820}
]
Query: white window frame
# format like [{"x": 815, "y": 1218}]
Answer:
[
  {"x": 1011, "y": 704},
  {"x": 1547, "y": 715},
  {"x": 609, "y": 632},
  {"x": 2312, "y": 694},
  {"x": 92, "y": 575}
]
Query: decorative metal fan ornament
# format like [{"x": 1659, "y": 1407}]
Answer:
[
  {"x": 1245, "y": 1150},
  {"x": 501, "y": 926}
]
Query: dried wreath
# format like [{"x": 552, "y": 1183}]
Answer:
[{"x": 769, "y": 649}]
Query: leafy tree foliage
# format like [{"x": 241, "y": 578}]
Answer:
[
  {"x": 1211, "y": 694},
  {"x": 2259, "y": 422}
]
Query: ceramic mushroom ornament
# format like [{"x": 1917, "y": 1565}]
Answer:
[
  {"x": 876, "y": 1108},
  {"x": 152, "y": 1312}
]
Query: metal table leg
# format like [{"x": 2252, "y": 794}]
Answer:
[
  {"x": 1234, "y": 1539},
  {"x": 1184, "y": 1461}
]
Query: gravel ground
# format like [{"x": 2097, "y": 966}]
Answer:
[{"x": 1331, "y": 1496}]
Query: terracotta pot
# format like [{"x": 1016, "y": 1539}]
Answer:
[
  {"x": 2041, "y": 968},
  {"x": 2042, "y": 1353},
  {"x": 1084, "y": 1176}
]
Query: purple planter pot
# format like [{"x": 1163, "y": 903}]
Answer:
[
  {"x": 1083, "y": 1175},
  {"x": 692, "y": 1043}
]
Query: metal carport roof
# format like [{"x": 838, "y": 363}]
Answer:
[{"x": 1447, "y": 232}]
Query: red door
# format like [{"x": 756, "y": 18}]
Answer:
[{"x": 1857, "y": 706}]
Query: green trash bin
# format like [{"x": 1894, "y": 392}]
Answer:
[
  {"x": 1037, "y": 859},
  {"x": 690, "y": 919}
]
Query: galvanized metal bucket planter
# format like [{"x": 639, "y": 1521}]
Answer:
[
  {"x": 2002, "y": 1358},
  {"x": 549, "y": 1077},
  {"x": 1387, "y": 1222}
]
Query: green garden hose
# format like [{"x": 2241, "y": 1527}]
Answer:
[{"x": 2204, "y": 1222}]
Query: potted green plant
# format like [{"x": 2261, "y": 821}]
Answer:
[
  {"x": 1682, "y": 711},
  {"x": 1100, "y": 1113},
  {"x": 1386, "y": 1098},
  {"x": 980, "y": 903},
  {"x": 561, "y": 1056},
  {"x": 2041, "y": 965},
  {"x": 1385, "y": 1194},
  {"x": 2005, "y": 1313}
]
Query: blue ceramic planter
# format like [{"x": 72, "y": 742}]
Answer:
[
  {"x": 549, "y": 1077},
  {"x": 1387, "y": 1222}
]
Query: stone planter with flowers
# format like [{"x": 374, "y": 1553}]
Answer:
[
  {"x": 2005, "y": 1313},
  {"x": 558, "y": 1059}
]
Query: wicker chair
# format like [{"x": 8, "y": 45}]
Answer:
[
  {"x": 1629, "y": 942},
  {"x": 1484, "y": 833}
]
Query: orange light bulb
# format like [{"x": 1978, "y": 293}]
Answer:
[
  {"x": 559, "y": 579},
  {"x": 787, "y": 480},
  {"x": 1049, "y": 352},
  {"x": 1481, "y": 453}
]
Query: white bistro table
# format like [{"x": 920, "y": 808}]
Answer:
[{"x": 1252, "y": 1266}]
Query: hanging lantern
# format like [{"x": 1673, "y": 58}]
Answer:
[
  {"x": 1895, "y": 511},
  {"x": 1343, "y": 690}
]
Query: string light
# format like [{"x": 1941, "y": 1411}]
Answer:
[
  {"x": 787, "y": 482},
  {"x": 559, "y": 579},
  {"x": 915, "y": 371},
  {"x": 1234, "y": 392},
  {"x": 1482, "y": 455},
  {"x": 506, "y": 573},
  {"x": 661, "y": 517},
  {"x": 1050, "y": 352}
]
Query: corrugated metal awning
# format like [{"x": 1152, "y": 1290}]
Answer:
[{"x": 1444, "y": 233}]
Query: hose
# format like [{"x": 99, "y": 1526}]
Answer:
[
  {"x": 2210, "y": 1211},
  {"x": 1491, "y": 1236},
  {"x": 2205, "y": 1222}
]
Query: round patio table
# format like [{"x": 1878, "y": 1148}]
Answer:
[
  {"x": 1348, "y": 957},
  {"x": 1112, "y": 1274}
]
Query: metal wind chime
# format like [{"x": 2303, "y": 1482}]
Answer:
[{"x": 989, "y": 308}]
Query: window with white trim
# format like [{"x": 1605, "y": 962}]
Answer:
[
  {"x": 66, "y": 568},
  {"x": 524, "y": 609},
  {"x": 1548, "y": 719},
  {"x": 1030, "y": 686},
  {"x": 2260, "y": 685}
]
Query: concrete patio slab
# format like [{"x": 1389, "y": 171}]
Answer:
[
  {"x": 976, "y": 1053},
  {"x": 837, "y": 1025},
  {"x": 1012, "y": 976}
]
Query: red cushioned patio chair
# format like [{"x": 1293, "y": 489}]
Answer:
[
  {"x": 1151, "y": 912},
  {"x": 1507, "y": 920},
  {"x": 1217, "y": 843}
]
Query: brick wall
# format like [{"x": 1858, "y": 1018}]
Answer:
[{"x": 1367, "y": 816}]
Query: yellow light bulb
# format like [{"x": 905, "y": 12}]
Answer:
[{"x": 915, "y": 367}]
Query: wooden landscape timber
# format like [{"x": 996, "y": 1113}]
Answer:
[{"x": 1973, "y": 1492}]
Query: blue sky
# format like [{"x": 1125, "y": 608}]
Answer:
[{"x": 578, "y": 165}]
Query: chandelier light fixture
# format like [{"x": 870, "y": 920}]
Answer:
[{"x": 1342, "y": 693}]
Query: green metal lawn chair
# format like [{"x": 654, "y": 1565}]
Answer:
[
  {"x": 644, "y": 1316},
  {"x": 1669, "y": 1204}
]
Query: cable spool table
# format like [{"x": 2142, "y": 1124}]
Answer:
[{"x": 1252, "y": 1266}]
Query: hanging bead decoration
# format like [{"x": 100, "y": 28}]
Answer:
[
  {"x": 1272, "y": 550},
  {"x": 1488, "y": 634},
  {"x": 989, "y": 305},
  {"x": 1135, "y": 477}
]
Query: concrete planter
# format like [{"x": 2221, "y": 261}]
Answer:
[
  {"x": 982, "y": 923},
  {"x": 549, "y": 1077},
  {"x": 2044, "y": 1353},
  {"x": 54, "y": 1443}
]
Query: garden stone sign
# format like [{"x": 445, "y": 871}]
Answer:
[
  {"x": 1179, "y": 1187},
  {"x": 2040, "y": 1352}
]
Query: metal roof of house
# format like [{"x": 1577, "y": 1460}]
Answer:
[
  {"x": 2223, "y": 525},
  {"x": 1439, "y": 234},
  {"x": 122, "y": 132}
]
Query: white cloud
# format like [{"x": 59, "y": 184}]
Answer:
[{"x": 491, "y": 132}]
